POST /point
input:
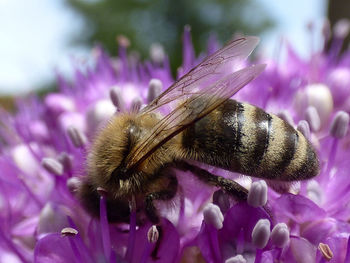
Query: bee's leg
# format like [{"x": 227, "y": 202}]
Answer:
[
  {"x": 231, "y": 187},
  {"x": 165, "y": 194}
]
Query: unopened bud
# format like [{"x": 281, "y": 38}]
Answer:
[
  {"x": 261, "y": 233},
  {"x": 213, "y": 216},
  {"x": 257, "y": 195},
  {"x": 340, "y": 125},
  {"x": 280, "y": 235}
]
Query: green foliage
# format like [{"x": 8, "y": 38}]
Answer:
[{"x": 145, "y": 22}]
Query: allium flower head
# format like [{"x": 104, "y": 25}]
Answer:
[{"x": 44, "y": 148}]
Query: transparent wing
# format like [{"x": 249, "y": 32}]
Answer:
[
  {"x": 193, "y": 108},
  {"x": 210, "y": 70}
]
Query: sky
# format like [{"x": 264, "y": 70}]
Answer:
[{"x": 30, "y": 58}]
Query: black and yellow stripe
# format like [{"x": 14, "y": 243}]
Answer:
[{"x": 245, "y": 139}]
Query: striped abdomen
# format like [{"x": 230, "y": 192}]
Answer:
[{"x": 243, "y": 138}]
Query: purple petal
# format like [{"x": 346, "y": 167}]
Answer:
[
  {"x": 241, "y": 217},
  {"x": 208, "y": 243},
  {"x": 54, "y": 248},
  {"x": 297, "y": 208},
  {"x": 318, "y": 231},
  {"x": 338, "y": 245},
  {"x": 301, "y": 251}
]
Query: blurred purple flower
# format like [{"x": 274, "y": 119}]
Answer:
[{"x": 45, "y": 143}]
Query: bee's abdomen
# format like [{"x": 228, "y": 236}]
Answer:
[{"x": 245, "y": 139}]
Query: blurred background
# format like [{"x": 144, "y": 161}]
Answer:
[{"x": 40, "y": 37}]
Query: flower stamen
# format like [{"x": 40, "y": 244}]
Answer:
[
  {"x": 257, "y": 195},
  {"x": 52, "y": 166},
  {"x": 236, "y": 259},
  {"x": 152, "y": 237},
  {"x": 155, "y": 87},
  {"x": 326, "y": 252},
  {"x": 104, "y": 227},
  {"x": 132, "y": 230},
  {"x": 261, "y": 233},
  {"x": 76, "y": 136},
  {"x": 280, "y": 235}
]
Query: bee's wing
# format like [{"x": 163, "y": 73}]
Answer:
[
  {"x": 193, "y": 108},
  {"x": 211, "y": 69}
]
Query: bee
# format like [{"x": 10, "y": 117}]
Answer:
[{"x": 136, "y": 155}]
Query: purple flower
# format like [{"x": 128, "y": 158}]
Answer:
[{"x": 44, "y": 148}]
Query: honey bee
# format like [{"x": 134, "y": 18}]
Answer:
[{"x": 135, "y": 157}]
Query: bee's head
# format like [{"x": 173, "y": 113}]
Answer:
[{"x": 107, "y": 161}]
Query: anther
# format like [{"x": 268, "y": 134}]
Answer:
[
  {"x": 261, "y": 233},
  {"x": 311, "y": 115},
  {"x": 123, "y": 41},
  {"x": 257, "y": 195},
  {"x": 155, "y": 87},
  {"x": 101, "y": 191},
  {"x": 236, "y": 259},
  {"x": 280, "y": 235},
  {"x": 136, "y": 104},
  {"x": 116, "y": 97},
  {"x": 285, "y": 115},
  {"x": 326, "y": 251},
  {"x": 304, "y": 128},
  {"x": 66, "y": 160},
  {"x": 213, "y": 216},
  {"x": 340, "y": 125},
  {"x": 77, "y": 137},
  {"x": 68, "y": 231},
  {"x": 73, "y": 184},
  {"x": 157, "y": 53},
  {"x": 221, "y": 199},
  {"x": 153, "y": 234},
  {"x": 52, "y": 166}
]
